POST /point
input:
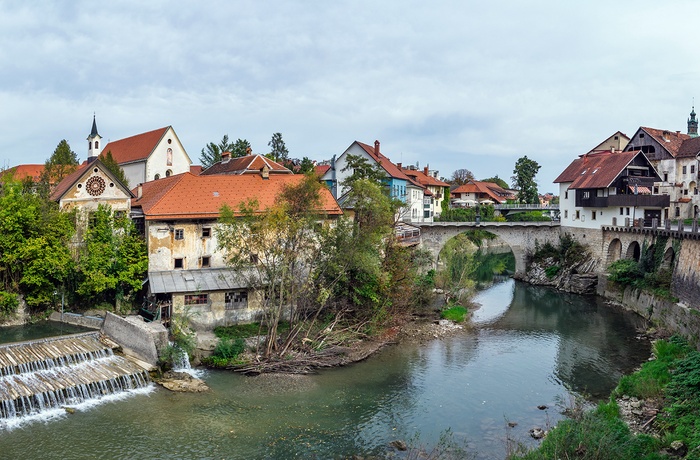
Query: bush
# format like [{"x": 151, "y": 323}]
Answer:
[
  {"x": 246, "y": 330},
  {"x": 455, "y": 313},
  {"x": 530, "y": 216},
  {"x": 625, "y": 271},
  {"x": 8, "y": 304},
  {"x": 229, "y": 349},
  {"x": 552, "y": 271}
]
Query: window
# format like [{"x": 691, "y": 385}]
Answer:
[
  {"x": 236, "y": 299},
  {"x": 685, "y": 191},
  {"x": 622, "y": 211},
  {"x": 168, "y": 173},
  {"x": 169, "y": 157},
  {"x": 578, "y": 214},
  {"x": 179, "y": 263},
  {"x": 692, "y": 169},
  {"x": 97, "y": 144},
  {"x": 665, "y": 177},
  {"x": 592, "y": 215},
  {"x": 656, "y": 190},
  {"x": 206, "y": 261},
  {"x": 641, "y": 135},
  {"x": 685, "y": 169},
  {"x": 627, "y": 211},
  {"x": 196, "y": 299},
  {"x": 566, "y": 214},
  {"x": 156, "y": 177},
  {"x": 179, "y": 234},
  {"x": 678, "y": 211},
  {"x": 566, "y": 195},
  {"x": 206, "y": 232}
]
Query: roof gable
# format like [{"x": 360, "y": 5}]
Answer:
[
  {"x": 598, "y": 170},
  {"x": 248, "y": 164},
  {"x": 391, "y": 169},
  {"x": 135, "y": 148},
  {"x": 83, "y": 170}
]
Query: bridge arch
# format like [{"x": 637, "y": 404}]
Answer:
[
  {"x": 520, "y": 236},
  {"x": 634, "y": 251},
  {"x": 669, "y": 258},
  {"x": 614, "y": 250}
]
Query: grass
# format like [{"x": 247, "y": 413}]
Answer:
[
  {"x": 456, "y": 313},
  {"x": 242, "y": 331},
  {"x": 600, "y": 434}
]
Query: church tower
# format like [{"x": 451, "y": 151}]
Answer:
[
  {"x": 692, "y": 124},
  {"x": 94, "y": 139}
]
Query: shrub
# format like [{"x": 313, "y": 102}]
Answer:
[
  {"x": 552, "y": 271},
  {"x": 8, "y": 304},
  {"x": 455, "y": 313},
  {"x": 624, "y": 271},
  {"x": 229, "y": 349}
]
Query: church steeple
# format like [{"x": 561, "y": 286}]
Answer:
[
  {"x": 692, "y": 123},
  {"x": 94, "y": 139}
]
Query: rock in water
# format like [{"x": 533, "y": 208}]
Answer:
[{"x": 182, "y": 382}]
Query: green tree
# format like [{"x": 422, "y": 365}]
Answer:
[
  {"x": 461, "y": 177},
  {"x": 278, "y": 150},
  {"x": 113, "y": 167},
  {"x": 362, "y": 168},
  {"x": 497, "y": 180},
  {"x": 524, "y": 180},
  {"x": 61, "y": 163},
  {"x": 113, "y": 259},
  {"x": 211, "y": 153},
  {"x": 241, "y": 148}
]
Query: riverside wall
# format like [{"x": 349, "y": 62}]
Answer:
[{"x": 137, "y": 338}]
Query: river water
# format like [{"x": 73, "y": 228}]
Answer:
[{"x": 530, "y": 346}]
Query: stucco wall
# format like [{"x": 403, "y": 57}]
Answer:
[
  {"x": 207, "y": 317},
  {"x": 163, "y": 248}
]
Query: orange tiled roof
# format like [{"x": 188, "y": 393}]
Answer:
[
  {"x": 596, "y": 170},
  {"x": 21, "y": 172},
  {"x": 246, "y": 165},
  {"x": 495, "y": 191},
  {"x": 424, "y": 179},
  {"x": 186, "y": 196},
  {"x": 384, "y": 162},
  {"x": 68, "y": 182},
  {"x": 134, "y": 148}
]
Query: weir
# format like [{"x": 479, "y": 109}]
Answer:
[{"x": 54, "y": 372}]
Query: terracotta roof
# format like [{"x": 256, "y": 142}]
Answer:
[
  {"x": 424, "y": 179},
  {"x": 134, "y": 148},
  {"x": 384, "y": 162},
  {"x": 596, "y": 170},
  {"x": 249, "y": 164},
  {"x": 321, "y": 169},
  {"x": 671, "y": 140},
  {"x": 689, "y": 148},
  {"x": 186, "y": 196},
  {"x": 21, "y": 172},
  {"x": 491, "y": 189}
]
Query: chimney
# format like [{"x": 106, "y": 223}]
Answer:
[
  {"x": 425, "y": 170},
  {"x": 248, "y": 151},
  {"x": 139, "y": 191},
  {"x": 399, "y": 165},
  {"x": 265, "y": 172},
  {"x": 225, "y": 157},
  {"x": 376, "y": 148}
]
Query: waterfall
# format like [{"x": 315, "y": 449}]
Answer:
[
  {"x": 41, "y": 375},
  {"x": 181, "y": 362}
]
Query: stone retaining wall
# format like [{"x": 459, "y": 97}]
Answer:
[
  {"x": 137, "y": 338},
  {"x": 93, "y": 322}
]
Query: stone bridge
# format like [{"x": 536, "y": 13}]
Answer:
[{"x": 520, "y": 236}]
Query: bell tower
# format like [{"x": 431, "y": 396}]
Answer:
[
  {"x": 692, "y": 123},
  {"x": 94, "y": 141}
]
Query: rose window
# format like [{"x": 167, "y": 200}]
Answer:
[{"x": 95, "y": 185}]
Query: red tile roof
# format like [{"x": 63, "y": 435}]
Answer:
[
  {"x": 321, "y": 169},
  {"x": 384, "y": 162},
  {"x": 21, "y": 172},
  {"x": 134, "y": 148},
  {"x": 671, "y": 140},
  {"x": 68, "y": 182},
  {"x": 246, "y": 165},
  {"x": 495, "y": 191},
  {"x": 186, "y": 196},
  {"x": 596, "y": 170},
  {"x": 689, "y": 148},
  {"x": 424, "y": 179}
]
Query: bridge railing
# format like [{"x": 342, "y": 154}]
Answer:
[{"x": 526, "y": 206}]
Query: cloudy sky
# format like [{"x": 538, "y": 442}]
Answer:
[{"x": 449, "y": 84}]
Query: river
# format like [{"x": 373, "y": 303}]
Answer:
[{"x": 530, "y": 346}]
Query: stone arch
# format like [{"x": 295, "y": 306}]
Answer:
[
  {"x": 614, "y": 250},
  {"x": 669, "y": 258},
  {"x": 633, "y": 251}
]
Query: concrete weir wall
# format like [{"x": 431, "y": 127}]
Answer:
[
  {"x": 93, "y": 322},
  {"x": 137, "y": 338}
]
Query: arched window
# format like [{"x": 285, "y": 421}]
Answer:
[
  {"x": 89, "y": 145},
  {"x": 97, "y": 144},
  {"x": 169, "y": 157},
  {"x": 168, "y": 173},
  {"x": 156, "y": 177}
]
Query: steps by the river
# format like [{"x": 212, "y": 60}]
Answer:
[{"x": 61, "y": 371}]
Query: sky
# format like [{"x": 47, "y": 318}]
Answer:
[{"x": 445, "y": 84}]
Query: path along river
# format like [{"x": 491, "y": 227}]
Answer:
[{"x": 530, "y": 346}]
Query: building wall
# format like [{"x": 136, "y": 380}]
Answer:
[
  {"x": 135, "y": 173},
  {"x": 162, "y": 163},
  {"x": 164, "y": 248},
  {"x": 213, "y": 314},
  {"x": 79, "y": 198}
]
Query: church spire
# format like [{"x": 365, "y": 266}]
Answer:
[
  {"x": 692, "y": 123},
  {"x": 93, "y": 141}
]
